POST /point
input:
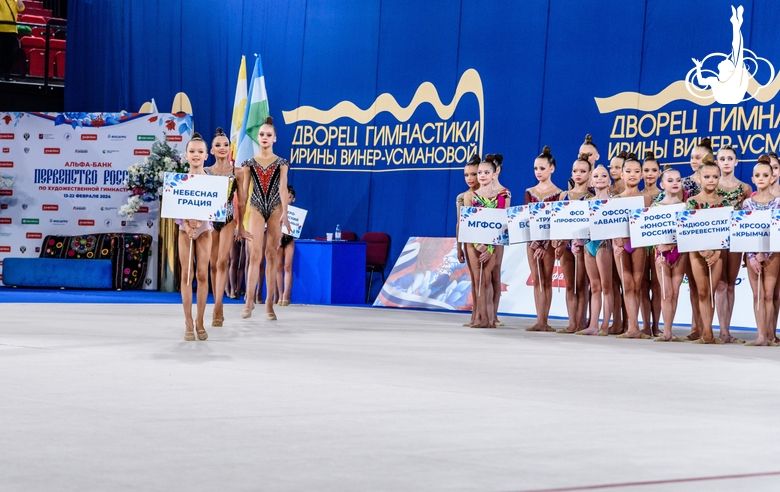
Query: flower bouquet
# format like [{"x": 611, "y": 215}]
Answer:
[{"x": 145, "y": 179}]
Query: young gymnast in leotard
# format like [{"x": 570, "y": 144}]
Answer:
[
  {"x": 650, "y": 297},
  {"x": 571, "y": 256},
  {"x": 498, "y": 161},
  {"x": 669, "y": 263},
  {"x": 763, "y": 267},
  {"x": 598, "y": 263},
  {"x": 268, "y": 206},
  {"x": 733, "y": 192},
  {"x": 224, "y": 232},
  {"x": 540, "y": 252},
  {"x": 470, "y": 176},
  {"x": 482, "y": 256},
  {"x": 616, "y": 173},
  {"x": 702, "y": 262},
  {"x": 197, "y": 233},
  {"x": 630, "y": 261},
  {"x": 284, "y": 274},
  {"x": 775, "y": 190}
]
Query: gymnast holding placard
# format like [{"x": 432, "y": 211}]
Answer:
[{"x": 195, "y": 200}]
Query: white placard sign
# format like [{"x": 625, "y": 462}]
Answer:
[
  {"x": 651, "y": 226},
  {"x": 750, "y": 231},
  {"x": 539, "y": 220},
  {"x": 195, "y": 196},
  {"x": 570, "y": 220},
  {"x": 609, "y": 218},
  {"x": 774, "y": 231},
  {"x": 698, "y": 230},
  {"x": 482, "y": 225},
  {"x": 518, "y": 219},
  {"x": 296, "y": 216}
]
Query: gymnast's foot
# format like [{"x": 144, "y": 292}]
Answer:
[
  {"x": 189, "y": 332},
  {"x": 727, "y": 338},
  {"x": 535, "y": 327},
  {"x": 637, "y": 335},
  {"x": 616, "y": 329},
  {"x": 201, "y": 331},
  {"x": 588, "y": 331},
  {"x": 247, "y": 312},
  {"x": 569, "y": 329}
]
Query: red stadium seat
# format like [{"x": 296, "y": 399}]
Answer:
[
  {"x": 38, "y": 61},
  {"x": 32, "y": 19},
  {"x": 32, "y": 42},
  {"x": 60, "y": 62},
  {"x": 56, "y": 44}
]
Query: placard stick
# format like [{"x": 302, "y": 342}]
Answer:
[
  {"x": 663, "y": 282},
  {"x": 622, "y": 275},
  {"x": 712, "y": 296},
  {"x": 575, "y": 275},
  {"x": 759, "y": 291},
  {"x": 479, "y": 290},
  {"x": 189, "y": 264},
  {"x": 558, "y": 264},
  {"x": 539, "y": 274}
]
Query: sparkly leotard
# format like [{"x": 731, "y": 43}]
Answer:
[
  {"x": 531, "y": 197},
  {"x": 498, "y": 201},
  {"x": 733, "y": 198},
  {"x": 265, "y": 185},
  {"x": 205, "y": 226},
  {"x": 231, "y": 213},
  {"x": 673, "y": 254}
]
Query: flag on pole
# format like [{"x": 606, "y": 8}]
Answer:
[
  {"x": 239, "y": 108},
  {"x": 254, "y": 116}
]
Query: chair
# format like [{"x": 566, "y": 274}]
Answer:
[
  {"x": 348, "y": 236},
  {"x": 38, "y": 62},
  {"x": 59, "y": 59},
  {"x": 377, "y": 250},
  {"x": 32, "y": 42}
]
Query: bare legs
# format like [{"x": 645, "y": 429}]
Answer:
[
  {"x": 484, "y": 316},
  {"x": 542, "y": 299},
  {"x": 222, "y": 243},
  {"x": 285, "y": 266},
  {"x": 631, "y": 276},
  {"x": 724, "y": 293},
  {"x": 600, "y": 273},
  {"x": 671, "y": 276},
  {"x": 694, "y": 296},
  {"x": 256, "y": 254},
  {"x": 650, "y": 300},
  {"x": 201, "y": 272},
  {"x": 702, "y": 274},
  {"x": 499, "y": 254},
  {"x": 575, "y": 303},
  {"x": 763, "y": 306}
]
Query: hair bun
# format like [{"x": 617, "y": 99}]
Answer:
[
  {"x": 649, "y": 155},
  {"x": 708, "y": 159},
  {"x": 546, "y": 151},
  {"x": 622, "y": 155},
  {"x": 630, "y": 156},
  {"x": 498, "y": 159},
  {"x": 764, "y": 159},
  {"x": 667, "y": 167},
  {"x": 220, "y": 131},
  {"x": 475, "y": 160},
  {"x": 706, "y": 143},
  {"x": 197, "y": 136},
  {"x": 584, "y": 157},
  {"x": 269, "y": 120},
  {"x": 588, "y": 139}
]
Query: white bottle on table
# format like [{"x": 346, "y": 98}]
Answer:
[{"x": 337, "y": 236}]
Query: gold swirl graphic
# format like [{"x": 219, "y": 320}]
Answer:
[
  {"x": 676, "y": 91},
  {"x": 470, "y": 82}
]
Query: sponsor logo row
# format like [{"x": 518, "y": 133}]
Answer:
[
  {"x": 91, "y": 136},
  {"x": 54, "y": 208}
]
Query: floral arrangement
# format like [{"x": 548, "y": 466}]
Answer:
[{"x": 145, "y": 179}]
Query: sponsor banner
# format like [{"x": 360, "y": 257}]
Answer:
[
  {"x": 482, "y": 225},
  {"x": 195, "y": 196},
  {"x": 428, "y": 275},
  {"x": 609, "y": 218},
  {"x": 651, "y": 226},
  {"x": 296, "y": 216},
  {"x": 518, "y": 224},
  {"x": 698, "y": 230},
  {"x": 65, "y": 174},
  {"x": 539, "y": 221},
  {"x": 570, "y": 220},
  {"x": 750, "y": 231}
]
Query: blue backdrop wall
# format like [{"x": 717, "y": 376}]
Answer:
[{"x": 415, "y": 87}]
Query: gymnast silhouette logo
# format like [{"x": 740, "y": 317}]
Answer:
[{"x": 731, "y": 83}]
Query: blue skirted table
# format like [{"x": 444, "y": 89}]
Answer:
[{"x": 329, "y": 272}]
